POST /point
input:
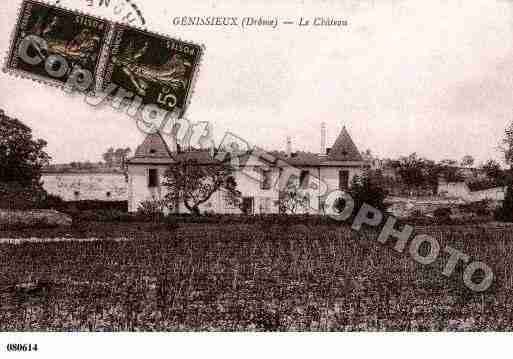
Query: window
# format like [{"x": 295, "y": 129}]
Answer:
[
  {"x": 153, "y": 177},
  {"x": 266, "y": 180},
  {"x": 304, "y": 178},
  {"x": 77, "y": 194},
  {"x": 108, "y": 194},
  {"x": 343, "y": 180},
  {"x": 265, "y": 205},
  {"x": 247, "y": 205}
]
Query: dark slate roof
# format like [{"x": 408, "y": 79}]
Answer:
[
  {"x": 299, "y": 158},
  {"x": 344, "y": 148},
  {"x": 153, "y": 146},
  {"x": 200, "y": 156},
  {"x": 154, "y": 150}
]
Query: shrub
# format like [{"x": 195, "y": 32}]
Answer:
[
  {"x": 15, "y": 196},
  {"x": 442, "y": 212},
  {"x": 364, "y": 189},
  {"x": 416, "y": 213},
  {"x": 102, "y": 215},
  {"x": 20, "y": 219},
  {"x": 505, "y": 212},
  {"x": 480, "y": 208},
  {"x": 94, "y": 205},
  {"x": 152, "y": 209},
  {"x": 442, "y": 215},
  {"x": 52, "y": 202}
]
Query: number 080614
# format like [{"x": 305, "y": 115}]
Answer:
[{"x": 21, "y": 347}]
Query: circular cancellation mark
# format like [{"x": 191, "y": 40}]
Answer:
[{"x": 124, "y": 11}]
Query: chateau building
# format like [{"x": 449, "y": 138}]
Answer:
[{"x": 257, "y": 174}]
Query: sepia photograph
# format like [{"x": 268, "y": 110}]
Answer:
[{"x": 227, "y": 176}]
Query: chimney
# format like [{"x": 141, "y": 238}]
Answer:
[
  {"x": 289, "y": 146},
  {"x": 323, "y": 138}
]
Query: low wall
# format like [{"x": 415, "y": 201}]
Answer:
[
  {"x": 405, "y": 207},
  {"x": 87, "y": 186}
]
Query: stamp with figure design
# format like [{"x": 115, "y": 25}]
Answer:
[
  {"x": 158, "y": 69},
  {"x": 51, "y": 44}
]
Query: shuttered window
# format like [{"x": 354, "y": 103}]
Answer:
[{"x": 153, "y": 177}]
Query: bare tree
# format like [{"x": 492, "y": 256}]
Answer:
[
  {"x": 193, "y": 184},
  {"x": 291, "y": 199}
]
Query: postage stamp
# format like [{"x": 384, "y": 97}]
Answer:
[
  {"x": 158, "y": 69},
  {"x": 50, "y": 44}
]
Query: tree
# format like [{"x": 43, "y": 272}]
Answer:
[
  {"x": 21, "y": 161},
  {"x": 116, "y": 157},
  {"x": 291, "y": 199},
  {"x": 433, "y": 172},
  {"x": 450, "y": 171},
  {"x": 467, "y": 161},
  {"x": 365, "y": 189},
  {"x": 121, "y": 155},
  {"x": 411, "y": 170},
  {"x": 192, "y": 183},
  {"x": 505, "y": 213},
  {"x": 108, "y": 157},
  {"x": 492, "y": 169},
  {"x": 507, "y": 145},
  {"x": 21, "y": 157}
]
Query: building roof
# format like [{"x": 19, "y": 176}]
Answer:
[
  {"x": 299, "y": 158},
  {"x": 344, "y": 148},
  {"x": 153, "y": 146},
  {"x": 154, "y": 150},
  {"x": 202, "y": 157}
]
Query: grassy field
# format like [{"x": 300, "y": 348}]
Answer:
[{"x": 246, "y": 277}]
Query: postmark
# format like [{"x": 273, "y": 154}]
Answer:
[
  {"x": 50, "y": 44},
  {"x": 123, "y": 11},
  {"x": 158, "y": 69}
]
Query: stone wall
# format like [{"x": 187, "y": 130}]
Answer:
[
  {"x": 462, "y": 191},
  {"x": 87, "y": 186},
  {"x": 402, "y": 207}
]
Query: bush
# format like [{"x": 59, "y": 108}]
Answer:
[
  {"x": 95, "y": 205},
  {"x": 102, "y": 215},
  {"x": 442, "y": 215},
  {"x": 20, "y": 219},
  {"x": 480, "y": 208},
  {"x": 52, "y": 202},
  {"x": 416, "y": 213},
  {"x": 18, "y": 196},
  {"x": 442, "y": 212},
  {"x": 365, "y": 189},
  {"x": 152, "y": 209},
  {"x": 505, "y": 212}
]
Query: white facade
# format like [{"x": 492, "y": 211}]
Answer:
[
  {"x": 264, "y": 200},
  {"x": 326, "y": 173}
]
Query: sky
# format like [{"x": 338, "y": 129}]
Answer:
[{"x": 432, "y": 77}]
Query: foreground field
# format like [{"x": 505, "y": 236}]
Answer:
[{"x": 246, "y": 277}]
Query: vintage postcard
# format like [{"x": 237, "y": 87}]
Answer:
[
  {"x": 336, "y": 174},
  {"x": 158, "y": 69},
  {"x": 50, "y": 43}
]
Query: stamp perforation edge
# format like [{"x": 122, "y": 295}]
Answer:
[
  {"x": 104, "y": 53},
  {"x": 194, "y": 74},
  {"x": 6, "y": 68}
]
